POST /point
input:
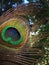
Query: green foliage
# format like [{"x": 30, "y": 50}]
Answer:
[
  {"x": 44, "y": 28},
  {"x": 44, "y": 12},
  {"x": 43, "y": 36},
  {"x": 46, "y": 7}
]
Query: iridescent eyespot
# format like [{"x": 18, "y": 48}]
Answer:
[
  {"x": 11, "y": 35},
  {"x": 14, "y": 33}
]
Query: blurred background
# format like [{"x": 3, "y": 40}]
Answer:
[
  {"x": 7, "y": 4},
  {"x": 44, "y": 4}
]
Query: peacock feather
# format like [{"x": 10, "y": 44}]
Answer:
[{"x": 17, "y": 46}]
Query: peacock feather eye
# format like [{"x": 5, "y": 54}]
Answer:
[{"x": 13, "y": 33}]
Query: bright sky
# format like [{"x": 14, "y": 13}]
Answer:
[{"x": 25, "y": 1}]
